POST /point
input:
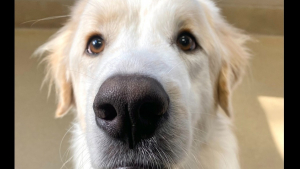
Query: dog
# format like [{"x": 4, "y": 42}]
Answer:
[{"x": 150, "y": 83}]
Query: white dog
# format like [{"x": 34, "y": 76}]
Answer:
[{"x": 150, "y": 81}]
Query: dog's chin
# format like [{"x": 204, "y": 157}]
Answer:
[
  {"x": 136, "y": 165},
  {"x": 142, "y": 167}
]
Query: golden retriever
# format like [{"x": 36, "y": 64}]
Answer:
[{"x": 150, "y": 82}]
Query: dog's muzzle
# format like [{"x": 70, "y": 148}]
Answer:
[{"x": 130, "y": 107}]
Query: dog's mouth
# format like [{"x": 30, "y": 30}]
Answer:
[
  {"x": 134, "y": 165},
  {"x": 142, "y": 167}
]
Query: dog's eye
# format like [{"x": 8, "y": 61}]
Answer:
[
  {"x": 186, "y": 42},
  {"x": 95, "y": 45}
]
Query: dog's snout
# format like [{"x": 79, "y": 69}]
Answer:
[{"x": 130, "y": 107}]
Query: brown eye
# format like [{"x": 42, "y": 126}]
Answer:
[
  {"x": 186, "y": 42},
  {"x": 96, "y": 45}
]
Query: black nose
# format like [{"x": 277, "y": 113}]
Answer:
[{"x": 130, "y": 107}]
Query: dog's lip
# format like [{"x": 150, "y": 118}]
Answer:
[
  {"x": 127, "y": 168},
  {"x": 138, "y": 167}
]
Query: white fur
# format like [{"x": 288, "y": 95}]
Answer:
[{"x": 139, "y": 38}]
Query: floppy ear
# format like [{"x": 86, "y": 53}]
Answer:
[
  {"x": 234, "y": 62},
  {"x": 56, "y": 52},
  {"x": 234, "y": 54},
  {"x": 56, "y": 56}
]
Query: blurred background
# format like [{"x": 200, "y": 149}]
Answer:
[{"x": 42, "y": 142}]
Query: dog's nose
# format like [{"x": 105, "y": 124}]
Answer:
[{"x": 130, "y": 107}]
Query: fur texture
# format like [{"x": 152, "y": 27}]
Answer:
[{"x": 140, "y": 37}]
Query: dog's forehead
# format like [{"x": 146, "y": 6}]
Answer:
[
  {"x": 131, "y": 9},
  {"x": 139, "y": 16}
]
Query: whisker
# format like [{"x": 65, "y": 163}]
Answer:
[
  {"x": 45, "y": 19},
  {"x": 172, "y": 68},
  {"x": 62, "y": 141}
]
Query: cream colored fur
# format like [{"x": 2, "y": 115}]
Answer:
[{"x": 139, "y": 39}]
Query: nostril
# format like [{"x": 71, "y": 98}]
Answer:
[
  {"x": 150, "y": 111},
  {"x": 106, "y": 112}
]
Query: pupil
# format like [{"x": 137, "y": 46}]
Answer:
[
  {"x": 97, "y": 43},
  {"x": 185, "y": 41}
]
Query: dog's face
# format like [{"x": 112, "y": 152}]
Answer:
[{"x": 144, "y": 77}]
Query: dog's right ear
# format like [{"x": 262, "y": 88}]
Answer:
[{"x": 55, "y": 53}]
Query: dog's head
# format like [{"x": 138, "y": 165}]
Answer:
[{"x": 144, "y": 76}]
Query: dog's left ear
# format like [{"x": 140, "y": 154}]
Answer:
[
  {"x": 234, "y": 54},
  {"x": 234, "y": 62}
]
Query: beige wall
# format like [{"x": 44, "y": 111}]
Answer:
[
  {"x": 231, "y": 2},
  {"x": 261, "y": 3},
  {"x": 254, "y": 16},
  {"x": 46, "y": 0}
]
